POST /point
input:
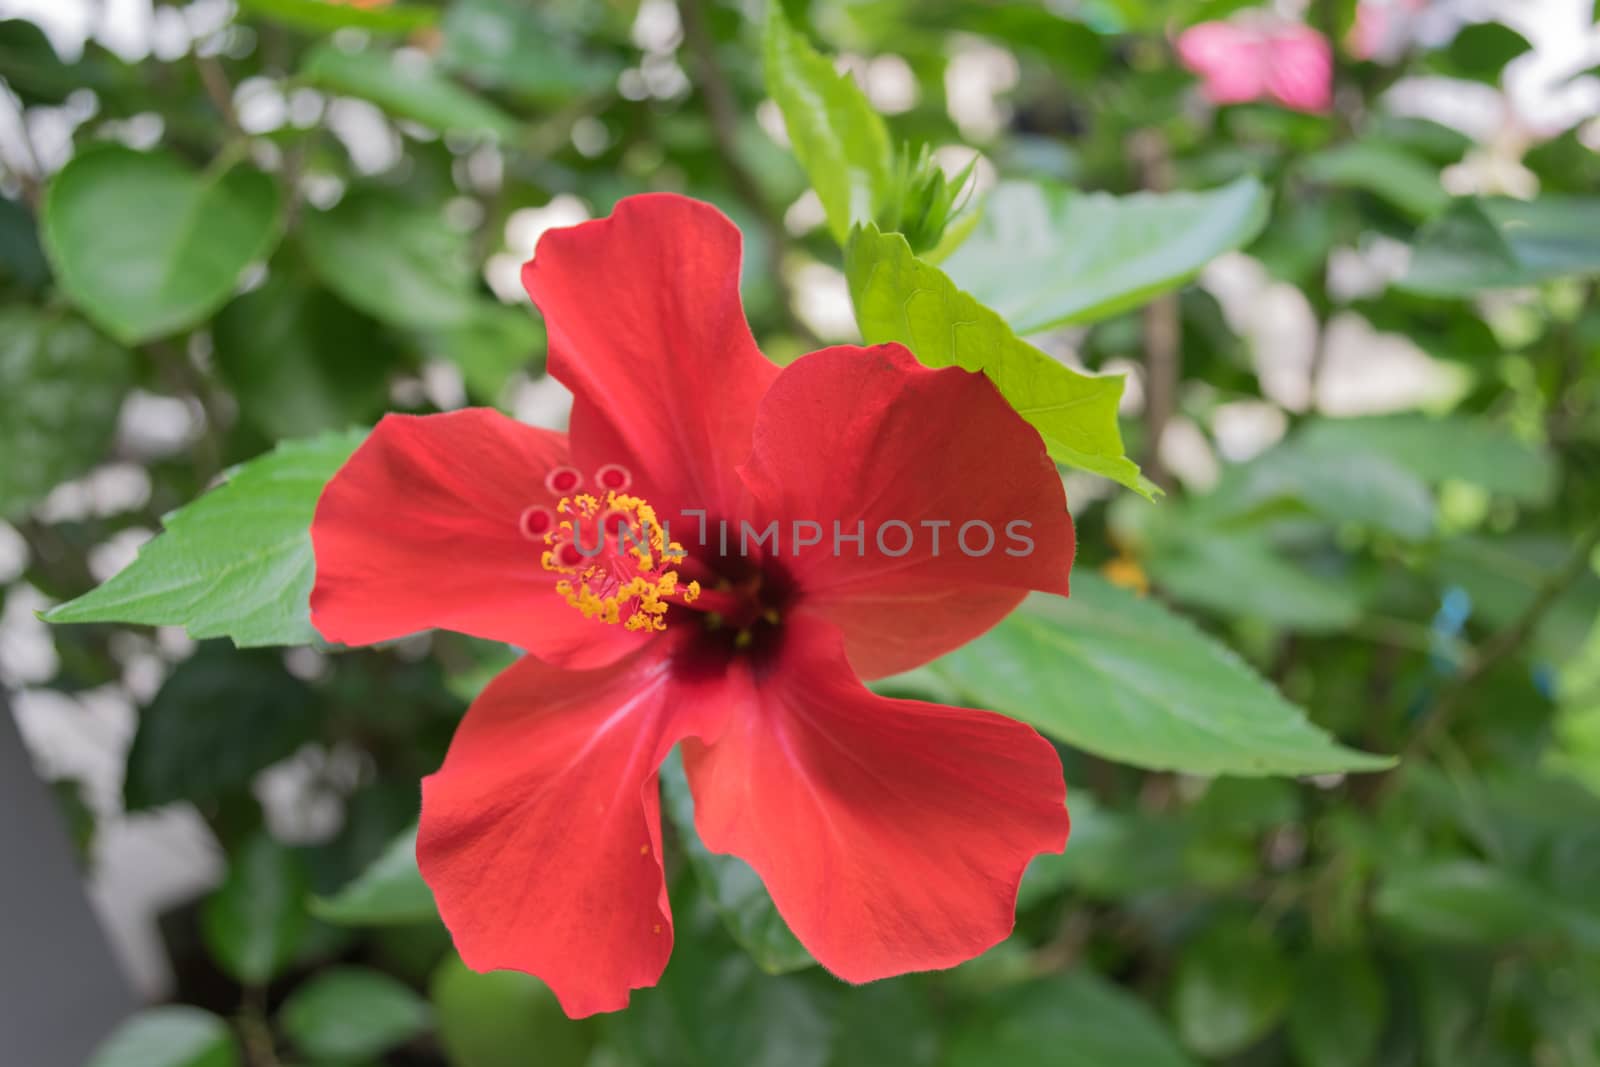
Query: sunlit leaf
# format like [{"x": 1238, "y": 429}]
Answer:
[{"x": 898, "y": 297}]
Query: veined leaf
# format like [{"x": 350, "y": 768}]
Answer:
[
  {"x": 1110, "y": 673},
  {"x": 236, "y": 562},
  {"x": 898, "y": 297}
]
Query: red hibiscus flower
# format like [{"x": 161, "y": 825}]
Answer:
[{"x": 891, "y": 833}]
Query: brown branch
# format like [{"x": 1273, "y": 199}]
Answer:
[
  {"x": 219, "y": 90},
  {"x": 1163, "y": 326}
]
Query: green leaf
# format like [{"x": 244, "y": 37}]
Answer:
[
  {"x": 1340, "y": 480},
  {"x": 219, "y": 718},
  {"x": 714, "y": 1008},
  {"x": 898, "y": 297},
  {"x": 490, "y": 347},
  {"x": 1077, "y": 1020},
  {"x": 349, "y": 1013},
  {"x": 506, "y": 45},
  {"x": 1044, "y": 255},
  {"x": 1499, "y": 244},
  {"x": 391, "y": 891},
  {"x": 254, "y": 923},
  {"x": 838, "y": 138},
  {"x": 1471, "y": 902},
  {"x": 495, "y": 1019},
  {"x": 63, "y": 385},
  {"x": 168, "y": 264},
  {"x": 236, "y": 562},
  {"x": 1453, "y": 447},
  {"x": 22, "y": 262},
  {"x": 30, "y": 65},
  {"x": 400, "y": 262},
  {"x": 731, "y": 885},
  {"x": 1386, "y": 170},
  {"x": 299, "y": 361},
  {"x": 1122, "y": 677},
  {"x": 170, "y": 1036},
  {"x": 1232, "y": 987},
  {"x": 1241, "y": 575},
  {"x": 320, "y": 15},
  {"x": 406, "y": 90},
  {"x": 1337, "y": 1018}
]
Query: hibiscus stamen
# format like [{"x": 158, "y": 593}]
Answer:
[{"x": 616, "y": 557}]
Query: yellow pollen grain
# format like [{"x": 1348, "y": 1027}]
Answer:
[{"x": 639, "y": 603}]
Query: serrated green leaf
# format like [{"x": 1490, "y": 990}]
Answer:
[
  {"x": 838, "y": 138},
  {"x": 217, "y": 720},
  {"x": 397, "y": 261},
  {"x": 254, "y": 922},
  {"x": 350, "y": 1013},
  {"x": 1122, "y": 677},
  {"x": 173, "y": 1035},
  {"x": 494, "y": 1019},
  {"x": 235, "y": 563},
  {"x": 320, "y": 15},
  {"x": 732, "y": 886},
  {"x": 163, "y": 267},
  {"x": 388, "y": 892},
  {"x": 1044, "y": 255},
  {"x": 898, "y": 297},
  {"x": 406, "y": 89},
  {"x": 63, "y": 385}
]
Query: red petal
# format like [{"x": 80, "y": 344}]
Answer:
[
  {"x": 868, "y": 435},
  {"x": 420, "y": 529},
  {"x": 647, "y": 330},
  {"x": 541, "y": 833},
  {"x": 892, "y": 834}
]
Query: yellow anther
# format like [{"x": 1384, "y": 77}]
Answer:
[{"x": 616, "y": 563}]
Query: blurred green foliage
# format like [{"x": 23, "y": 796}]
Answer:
[{"x": 305, "y": 216}]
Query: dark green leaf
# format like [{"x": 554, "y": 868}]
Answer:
[
  {"x": 22, "y": 262},
  {"x": 496, "y": 1019},
  {"x": 389, "y": 891},
  {"x": 1124, "y": 678},
  {"x": 30, "y": 65},
  {"x": 1383, "y": 169},
  {"x": 406, "y": 89},
  {"x": 731, "y": 885},
  {"x": 1239, "y": 574},
  {"x": 63, "y": 384},
  {"x": 349, "y": 1013},
  {"x": 506, "y": 45},
  {"x": 163, "y": 268},
  {"x": 235, "y": 563},
  {"x": 299, "y": 361},
  {"x": 898, "y": 297},
  {"x": 1078, "y": 1020},
  {"x": 221, "y": 717},
  {"x": 1337, "y": 1016},
  {"x": 397, "y": 261},
  {"x": 254, "y": 923},
  {"x": 1474, "y": 903},
  {"x": 1232, "y": 987},
  {"x": 1045, "y": 255},
  {"x": 170, "y": 1036},
  {"x": 837, "y": 136}
]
